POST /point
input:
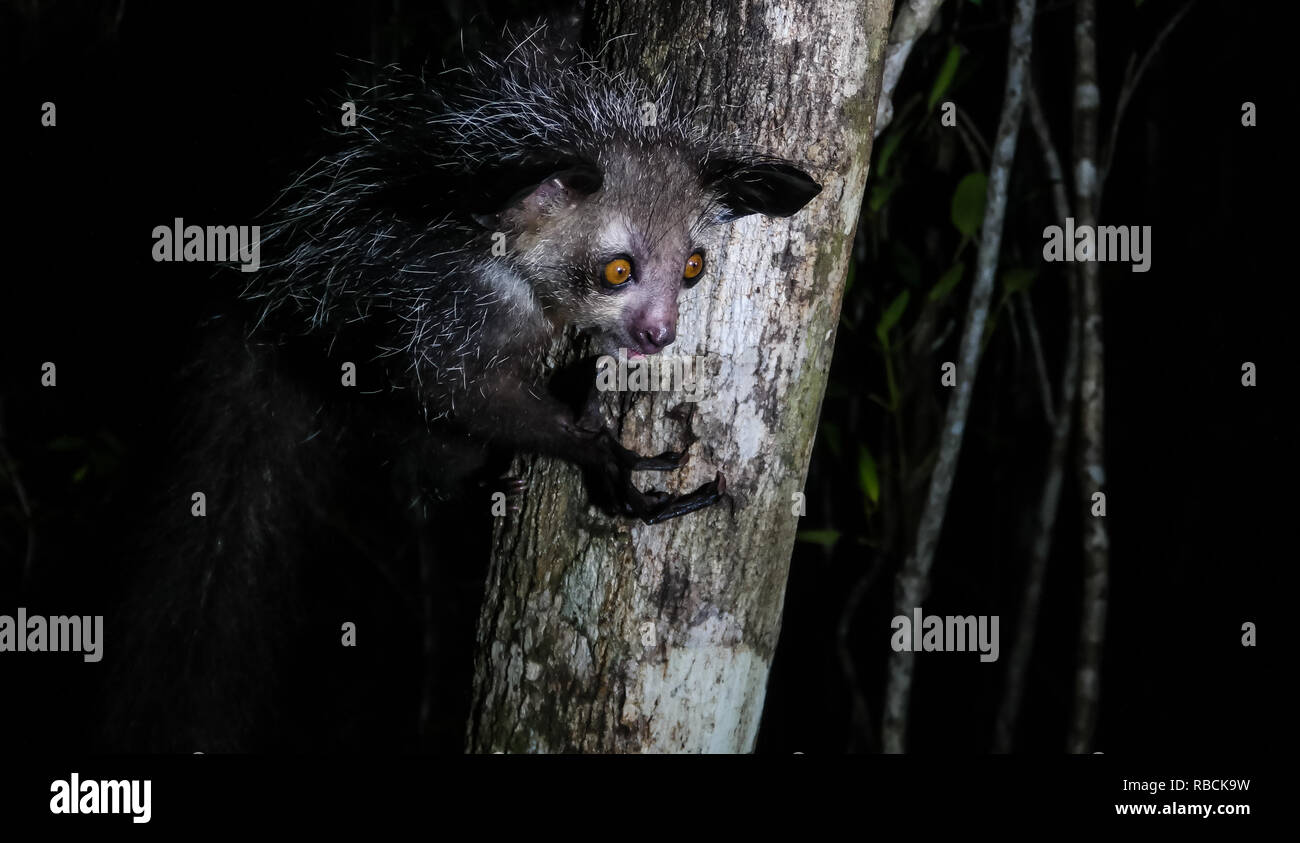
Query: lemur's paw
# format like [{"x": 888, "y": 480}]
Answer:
[{"x": 610, "y": 480}]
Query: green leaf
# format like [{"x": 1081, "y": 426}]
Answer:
[
  {"x": 968, "y": 203},
  {"x": 868, "y": 479},
  {"x": 890, "y": 317},
  {"x": 825, "y": 538},
  {"x": 1018, "y": 280},
  {"x": 947, "y": 281},
  {"x": 946, "y": 72}
]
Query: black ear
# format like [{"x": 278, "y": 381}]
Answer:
[
  {"x": 770, "y": 186},
  {"x": 536, "y": 189}
]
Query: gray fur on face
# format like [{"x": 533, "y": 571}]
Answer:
[{"x": 650, "y": 209}]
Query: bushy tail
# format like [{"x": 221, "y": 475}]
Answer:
[{"x": 196, "y": 666}]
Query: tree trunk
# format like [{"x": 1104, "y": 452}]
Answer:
[{"x": 606, "y": 635}]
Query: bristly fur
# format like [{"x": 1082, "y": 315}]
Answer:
[{"x": 382, "y": 230}]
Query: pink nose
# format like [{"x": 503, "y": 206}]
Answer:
[{"x": 654, "y": 337}]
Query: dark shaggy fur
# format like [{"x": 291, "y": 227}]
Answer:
[{"x": 318, "y": 496}]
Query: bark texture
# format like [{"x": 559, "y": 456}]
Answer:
[
  {"x": 601, "y": 635},
  {"x": 1092, "y": 390}
]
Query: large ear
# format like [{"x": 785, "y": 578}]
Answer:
[
  {"x": 767, "y": 186},
  {"x": 559, "y": 185}
]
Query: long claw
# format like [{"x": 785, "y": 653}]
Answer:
[
  {"x": 667, "y": 461},
  {"x": 612, "y": 477},
  {"x": 705, "y": 496},
  {"x": 513, "y": 486}
]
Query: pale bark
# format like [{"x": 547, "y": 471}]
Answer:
[{"x": 605, "y": 635}]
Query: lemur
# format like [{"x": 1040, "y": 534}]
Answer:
[{"x": 461, "y": 225}]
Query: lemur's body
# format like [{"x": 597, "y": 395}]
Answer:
[{"x": 462, "y": 224}]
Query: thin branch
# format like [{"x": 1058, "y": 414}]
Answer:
[
  {"x": 1013, "y": 323},
  {"x": 912, "y": 584},
  {"x": 1055, "y": 173},
  {"x": 1133, "y": 78},
  {"x": 967, "y": 122},
  {"x": 1092, "y": 464},
  {"x": 972, "y": 150},
  {"x": 911, "y": 20},
  {"x": 1035, "y": 573},
  {"x": 1040, "y": 362},
  {"x": 1049, "y": 501}
]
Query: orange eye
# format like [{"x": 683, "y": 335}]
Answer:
[
  {"x": 618, "y": 271},
  {"x": 694, "y": 266}
]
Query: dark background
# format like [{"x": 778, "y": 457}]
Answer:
[{"x": 205, "y": 110}]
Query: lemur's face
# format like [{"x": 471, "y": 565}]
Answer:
[
  {"x": 611, "y": 255},
  {"x": 630, "y": 279},
  {"x": 610, "y": 249}
]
